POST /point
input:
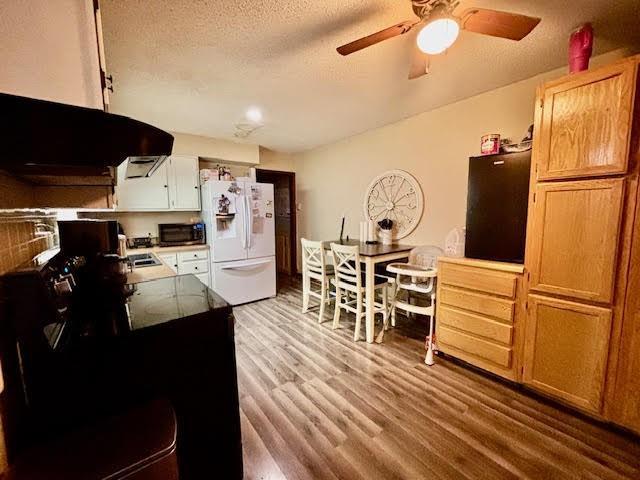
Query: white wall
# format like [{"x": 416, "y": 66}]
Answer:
[{"x": 433, "y": 146}]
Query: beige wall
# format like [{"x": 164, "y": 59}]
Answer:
[
  {"x": 272, "y": 160},
  {"x": 433, "y": 146},
  {"x": 215, "y": 149},
  {"x": 48, "y": 50}
]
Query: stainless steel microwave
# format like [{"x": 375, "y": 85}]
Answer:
[{"x": 172, "y": 234}]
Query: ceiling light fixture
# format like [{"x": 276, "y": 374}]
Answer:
[
  {"x": 254, "y": 115},
  {"x": 438, "y": 35},
  {"x": 441, "y": 28}
]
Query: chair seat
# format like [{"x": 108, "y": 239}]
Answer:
[
  {"x": 378, "y": 281},
  {"x": 412, "y": 270}
]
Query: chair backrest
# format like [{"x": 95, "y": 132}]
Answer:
[
  {"x": 346, "y": 264},
  {"x": 425, "y": 256},
  {"x": 313, "y": 256}
]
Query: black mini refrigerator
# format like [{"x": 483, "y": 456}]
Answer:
[{"x": 497, "y": 201}]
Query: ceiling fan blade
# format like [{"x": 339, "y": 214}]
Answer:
[
  {"x": 399, "y": 29},
  {"x": 419, "y": 64},
  {"x": 498, "y": 24}
]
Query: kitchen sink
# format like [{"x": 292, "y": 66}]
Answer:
[{"x": 139, "y": 260}]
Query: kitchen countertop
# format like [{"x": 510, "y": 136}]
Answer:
[
  {"x": 142, "y": 274},
  {"x": 158, "y": 249}
]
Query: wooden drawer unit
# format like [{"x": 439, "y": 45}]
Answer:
[
  {"x": 478, "y": 313},
  {"x": 474, "y": 278},
  {"x": 470, "y": 348},
  {"x": 476, "y": 324},
  {"x": 477, "y": 302}
]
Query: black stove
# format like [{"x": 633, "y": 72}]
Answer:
[{"x": 89, "y": 348}]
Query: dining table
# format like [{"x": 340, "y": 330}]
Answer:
[{"x": 370, "y": 255}]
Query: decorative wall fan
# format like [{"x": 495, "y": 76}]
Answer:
[
  {"x": 440, "y": 29},
  {"x": 395, "y": 195}
]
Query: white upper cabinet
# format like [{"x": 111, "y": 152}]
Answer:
[
  {"x": 51, "y": 50},
  {"x": 174, "y": 186},
  {"x": 184, "y": 185},
  {"x": 147, "y": 193}
]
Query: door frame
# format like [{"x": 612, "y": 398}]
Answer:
[{"x": 293, "y": 233}]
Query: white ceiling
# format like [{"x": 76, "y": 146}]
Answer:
[{"x": 196, "y": 66}]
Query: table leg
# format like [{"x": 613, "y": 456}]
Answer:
[{"x": 369, "y": 297}]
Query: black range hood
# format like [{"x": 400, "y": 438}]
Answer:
[{"x": 38, "y": 137}]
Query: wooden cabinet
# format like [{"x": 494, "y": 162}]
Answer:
[
  {"x": 624, "y": 402},
  {"x": 174, "y": 186},
  {"x": 581, "y": 341},
  {"x": 184, "y": 183},
  {"x": 479, "y": 310},
  {"x": 566, "y": 349},
  {"x": 574, "y": 238},
  {"x": 584, "y": 127}
]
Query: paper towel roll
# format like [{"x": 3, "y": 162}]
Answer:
[{"x": 371, "y": 231}]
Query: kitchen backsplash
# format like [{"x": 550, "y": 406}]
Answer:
[
  {"x": 25, "y": 234},
  {"x": 143, "y": 224}
]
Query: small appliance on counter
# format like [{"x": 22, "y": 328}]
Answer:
[
  {"x": 141, "y": 242},
  {"x": 175, "y": 234}
]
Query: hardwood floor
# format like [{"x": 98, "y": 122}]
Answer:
[{"x": 316, "y": 405}]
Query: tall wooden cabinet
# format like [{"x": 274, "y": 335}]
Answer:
[{"x": 580, "y": 345}]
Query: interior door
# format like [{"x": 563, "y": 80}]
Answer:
[
  {"x": 184, "y": 183},
  {"x": 585, "y": 124},
  {"x": 566, "y": 350},
  {"x": 260, "y": 220},
  {"x": 147, "y": 193},
  {"x": 574, "y": 238}
]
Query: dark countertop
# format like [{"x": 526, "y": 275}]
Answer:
[{"x": 373, "y": 249}]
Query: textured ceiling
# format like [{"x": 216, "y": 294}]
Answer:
[{"x": 195, "y": 66}]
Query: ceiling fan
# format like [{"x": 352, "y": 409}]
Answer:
[{"x": 440, "y": 29}]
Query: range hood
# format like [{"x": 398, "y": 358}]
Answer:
[{"x": 46, "y": 138}]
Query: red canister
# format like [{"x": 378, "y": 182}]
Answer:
[{"x": 490, "y": 144}]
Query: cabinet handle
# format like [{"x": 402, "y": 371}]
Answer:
[{"x": 165, "y": 186}]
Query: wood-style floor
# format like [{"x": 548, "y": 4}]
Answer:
[{"x": 316, "y": 405}]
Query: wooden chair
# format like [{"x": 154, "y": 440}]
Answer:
[
  {"x": 417, "y": 276},
  {"x": 314, "y": 266},
  {"x": 349, "y": 278}
]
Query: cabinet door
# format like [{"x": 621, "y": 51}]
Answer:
[
  {"x": 574, "y": 238},
  {"x": 566, "y": 349},
  {"x": 585, "y": 124},
  {"x": 624, "y": 407},
  {"x": 184, "y": 191},
  {"x": 171, "y": 259},
  {"x": 148, "y": 193}
]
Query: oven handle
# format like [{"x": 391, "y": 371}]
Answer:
[{"x": 247, "y": 265}]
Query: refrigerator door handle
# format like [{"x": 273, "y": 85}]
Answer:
[
  {"x": 249, "y": 222},
  {"x": 247, "y": 265},
  {"x": 244, "y": 221}
]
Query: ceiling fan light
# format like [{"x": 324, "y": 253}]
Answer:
[{"x": 438, "y": 35}]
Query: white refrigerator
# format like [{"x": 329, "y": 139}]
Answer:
[{"x": 240, "y": 228}]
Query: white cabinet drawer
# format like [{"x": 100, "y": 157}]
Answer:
[
  {"x": 200, "y": 266},
  {"x": 193, "y": 255}
]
